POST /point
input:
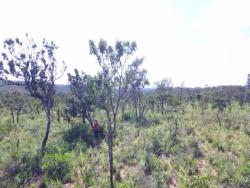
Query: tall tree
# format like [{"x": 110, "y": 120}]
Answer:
[
  {"x": 36, "y": 67},
  {"x": 113, "y": 83}
]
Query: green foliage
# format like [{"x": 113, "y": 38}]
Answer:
[
  {"x": 127, "y": 116},
  {"x": 220, "y": 104},
  {"x": 245, "y": 181},
  {"x": 83, "y": 134},
  {"x": 84, "y": 99},
  {"x": 200, "y": 182},
  {"x": 56, "y": 165},
  {"x": 204, "y": 155}
]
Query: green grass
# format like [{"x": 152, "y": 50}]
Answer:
[{"x": 203, "y": 154}]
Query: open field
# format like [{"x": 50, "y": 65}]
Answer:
[{"x": 178, "y": 149}]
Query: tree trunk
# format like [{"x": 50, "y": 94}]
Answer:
[
  {"x": 158, "y": 108},
  {"x": 152, "y": 106},
  {"x": 13, "y": 118},
  {"x": 17, "y": 143},
  {"x": 139, "y": 101},
  {"x": 135, "y": 108},
  {"x": 83, "y": 117},
  {"x": 37, "y": 110},
  {"x": 123, "y": 111},
  {"x": 218, "y": 118},
  {"x": 162, "y": 107},
  {"x": 110, "y": 148},
  {"x": 48, "y": 113},
  {"x": 17, "y": 117},
  {"x": 58, "y": 116},
  {"x": 114, "y": 128}
]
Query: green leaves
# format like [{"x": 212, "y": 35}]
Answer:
[
  {"x": 56, "y": 165},
  {"x": 220, "y": 104},
  {"x": 35, "y": 65}
]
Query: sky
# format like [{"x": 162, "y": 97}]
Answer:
[{"x": 194, "y": 42}]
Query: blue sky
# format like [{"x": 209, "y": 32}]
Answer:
[{"x": 198, "y": 42}]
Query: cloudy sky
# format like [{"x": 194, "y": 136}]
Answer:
[{"x": 198, "y": 42}]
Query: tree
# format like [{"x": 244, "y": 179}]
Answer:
[
  {"x": 37, "y": 69},
  {"x": 15, "y": 102},
  {"x": 220, "y": 104},
  {"x": 163, "y": 91},
  {"x": 248, "y": 80},
  {"x": 58, "y": 107},
  {"x": 35, "y": 107},
  {"x": 137, "y": 81},
  {"x": 83, "y": 87},
  {"x": 151, "y": 102},
  {"x": 113, "y": 83}
]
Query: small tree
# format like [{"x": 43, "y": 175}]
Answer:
[
  {"x": 163, "y": 89},
  {"x": 137, "y": 81},
  {"x": 37, "y": 69},
  {"x": 58, "y": 107},
  {"x": 83, "y": 87},
  {"x": 113, "y": 83},
  {"x": 220, "y": 104},
  {"x": 15, "y": 102}
]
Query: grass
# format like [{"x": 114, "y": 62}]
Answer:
[{"x": 146, "y": 154}]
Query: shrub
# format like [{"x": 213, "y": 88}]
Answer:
[
  {"x": 56, "y": 165},
  {"x": 246, "y": 175},
  {"x": 200, "y": 182},
  {"x": 127, "y": 116},
  {"x": 154, "y": 119},
  {"x": 83, "y": 134},
  {"x": 148, "y": 166}
]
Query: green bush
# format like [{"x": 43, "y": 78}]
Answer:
[
  {"x": 200, "y": 182},
  {"x": 155, "y": 119},
  {"x": 83, "y": 134},
  {"x": 245, "y": 175},
  {"x": 148, "y": 166},
  {"x": 127, "y": 116},
  {"x": 56, "y": 166}
]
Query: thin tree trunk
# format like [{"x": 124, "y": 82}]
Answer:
[
  {"x": 114, "y": 128},
  {"x": 37, "y": 110},
  {"x": 17, "y": 117},
  {"x": 135, "y": 108},
  {"x": 110, "y": 145},
  {"x": 58, "y": 116},
  {"x": 162, "y": 108},
  {"x": 83, "y": 117},
  {"x": 218, "y": 118},
  {"x": 122, "y": 111},
  {"x": 13, "y": 118},
  {"x": 47, "y": 131}
]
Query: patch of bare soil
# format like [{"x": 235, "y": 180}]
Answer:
[
  {"x": 214, "y": 173},
  {"x": 173, "y": 183},
  {"x": 201, "y": 165},
  {"x": 122, "y": 174},
  {"x": 36, "y": 181},
  {"x": 1, "y": 173},
  {"x": 68, "y": 185}
]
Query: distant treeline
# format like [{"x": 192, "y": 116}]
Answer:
[
  {"x": 60, "y": 88},
  {"x": 237, "y": 93}
]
